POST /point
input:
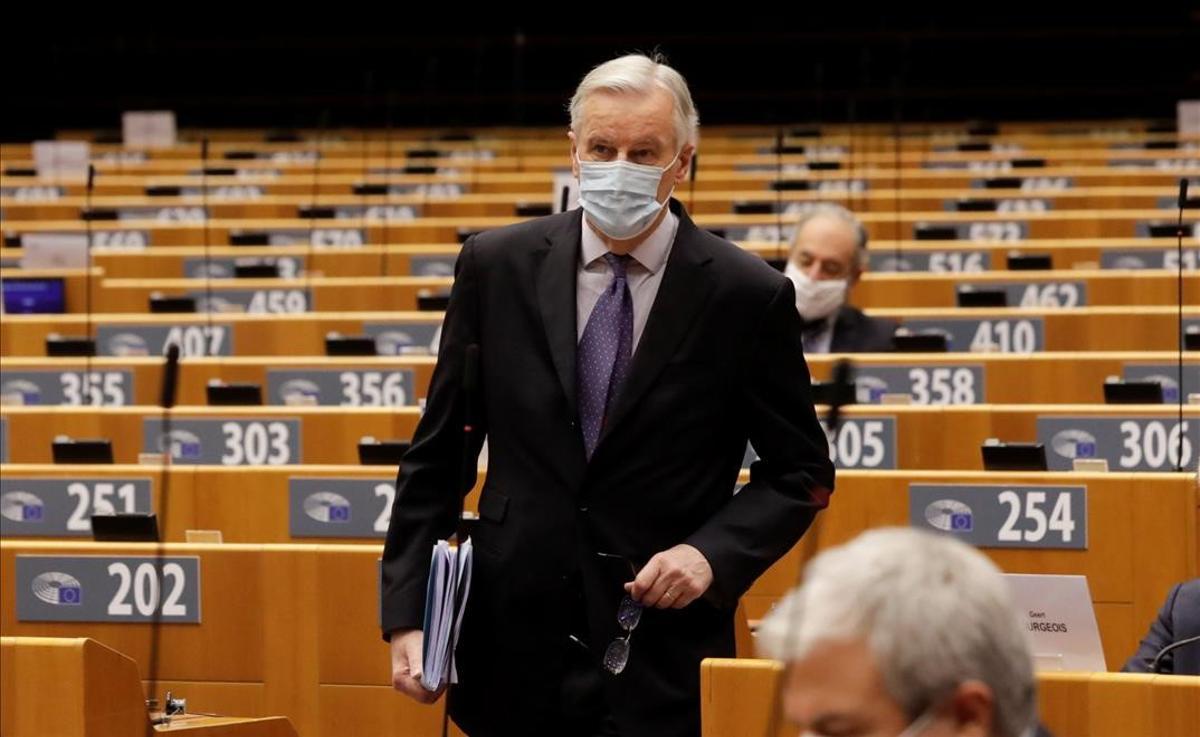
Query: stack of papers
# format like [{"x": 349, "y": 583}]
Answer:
[{"x": 445, "y": 602}]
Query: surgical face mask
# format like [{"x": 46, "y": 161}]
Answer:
[
  {"x": 918, "y": 725},
  {"x": 816, "y": 299},
  {"x": 915, "y": 728},
  {"x": 620, "y": 197}
]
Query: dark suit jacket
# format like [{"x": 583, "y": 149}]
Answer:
[
  {"x": 717, "y": 365},
  {"x": 1178, "y": 620},
  {"x": 855, "y": 332}
]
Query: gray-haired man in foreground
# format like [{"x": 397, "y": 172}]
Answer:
[{"x": 905, "y": 633}]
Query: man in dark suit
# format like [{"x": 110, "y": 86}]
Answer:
[
  {"x": 828, "y": 257},
  {"x": 1178, "y": 620},
  {"x": 626, "y": 358}
]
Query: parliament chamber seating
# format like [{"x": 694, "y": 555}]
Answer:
[{"x": 365, "y": 233}]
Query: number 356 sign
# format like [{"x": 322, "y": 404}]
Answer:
[{"x": 1003, "y": 516}]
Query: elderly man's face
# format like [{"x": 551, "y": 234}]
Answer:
[
  {"x": 836, "y": 690},
  {"x": 825, "y": 249},
  {"x": 635, "y": 128}
]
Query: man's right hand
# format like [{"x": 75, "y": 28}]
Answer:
[{"x": 406, "y": 666}]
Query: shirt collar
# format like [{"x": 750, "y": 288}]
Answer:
[{"x": 650, "y": 253}]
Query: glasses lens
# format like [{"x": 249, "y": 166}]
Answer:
[
  {"x": 629, "y": 614},
  {"x": 616, "y": 657}
]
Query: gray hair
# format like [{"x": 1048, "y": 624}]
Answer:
[
  {"x": 639, "y": 74},
  {"x": 836, "y": 212},
  {"x": 934, "y": 612}
]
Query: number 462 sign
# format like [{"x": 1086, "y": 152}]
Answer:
[{"x": 1003, "y": 516}]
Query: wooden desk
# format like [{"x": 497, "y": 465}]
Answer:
[
  {"x": 1141, "y": 535},
  {"x": 738, "y": 698},
  {"x": 880, "y": 225},
  {"x": 492, "y": 204},
  {"x": 1008, "y": 378},
  {"x": 271, "y": 626},
  {"x": 77, "y": 687},
  {"x": 303, "y": 334}
]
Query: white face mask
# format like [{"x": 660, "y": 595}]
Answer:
[
  {"x": 620, "y": 197},
  {"x": 915, "y": 728},
  {"x": 816, "y": 300}
]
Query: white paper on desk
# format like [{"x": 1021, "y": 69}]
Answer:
[
  {"x": 62, "y": 159},
  {"x": 445, "y": 600},
  {"x": 1188, "y": 117},
  {"x": 54, "y": 250},
  {"x": 148, "y": 129}
]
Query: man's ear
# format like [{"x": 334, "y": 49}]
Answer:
[
  {"x": 574, "y": 153},
  {"x": 686, "y": 156},
  {"x": 972, "y": 709},
  {"x": 856, "y": 272}
]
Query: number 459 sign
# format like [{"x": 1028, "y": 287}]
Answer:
[{"x": 1003, "y": 516}]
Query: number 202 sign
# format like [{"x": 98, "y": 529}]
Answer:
[{"x": 103, "y": 588}]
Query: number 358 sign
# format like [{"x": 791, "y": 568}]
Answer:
[{"x": 1003, "y": 516}]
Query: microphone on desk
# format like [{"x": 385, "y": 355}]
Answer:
[
  {"x": 170, "y": 383},
  {"x": 691, "y": 183},
  {"x": 208, "y": 299},
  {"x": 1158, "y": 659},
  {"x": 87, "y": 274},
  {"x": 310, "y": 251},
  {"x": 470, "y": 388},
  {"x": 779, "y": 140},
  {"x": 843, "y": 377},
  {"x": 170, "y": 377},
  {"x": 386, "y": 239},
  {"x": 897, "y": 170},
  {"x": 1179, "y": 337}
]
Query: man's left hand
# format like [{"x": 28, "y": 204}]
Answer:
[{"x": 672, "y": 579}]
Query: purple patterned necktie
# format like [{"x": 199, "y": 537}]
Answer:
[{"x": 603, "y": 355}]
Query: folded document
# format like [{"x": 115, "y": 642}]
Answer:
[{"x": 445, "y": 602}]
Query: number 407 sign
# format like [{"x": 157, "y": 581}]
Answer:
[{"x": 1003, "y": 516}]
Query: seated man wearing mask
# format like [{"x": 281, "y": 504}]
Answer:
[
  {"x": 903, "y": 633},
  {"x": 829, "y": 254}
]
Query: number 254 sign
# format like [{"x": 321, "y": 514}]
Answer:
[{"x": 1003, "y": 516}]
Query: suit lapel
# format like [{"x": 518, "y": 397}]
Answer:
[
  {"x": 556, "y": 277},
  {"x": 843, "y": 330},
  {"x": 685, "y": 288}
]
